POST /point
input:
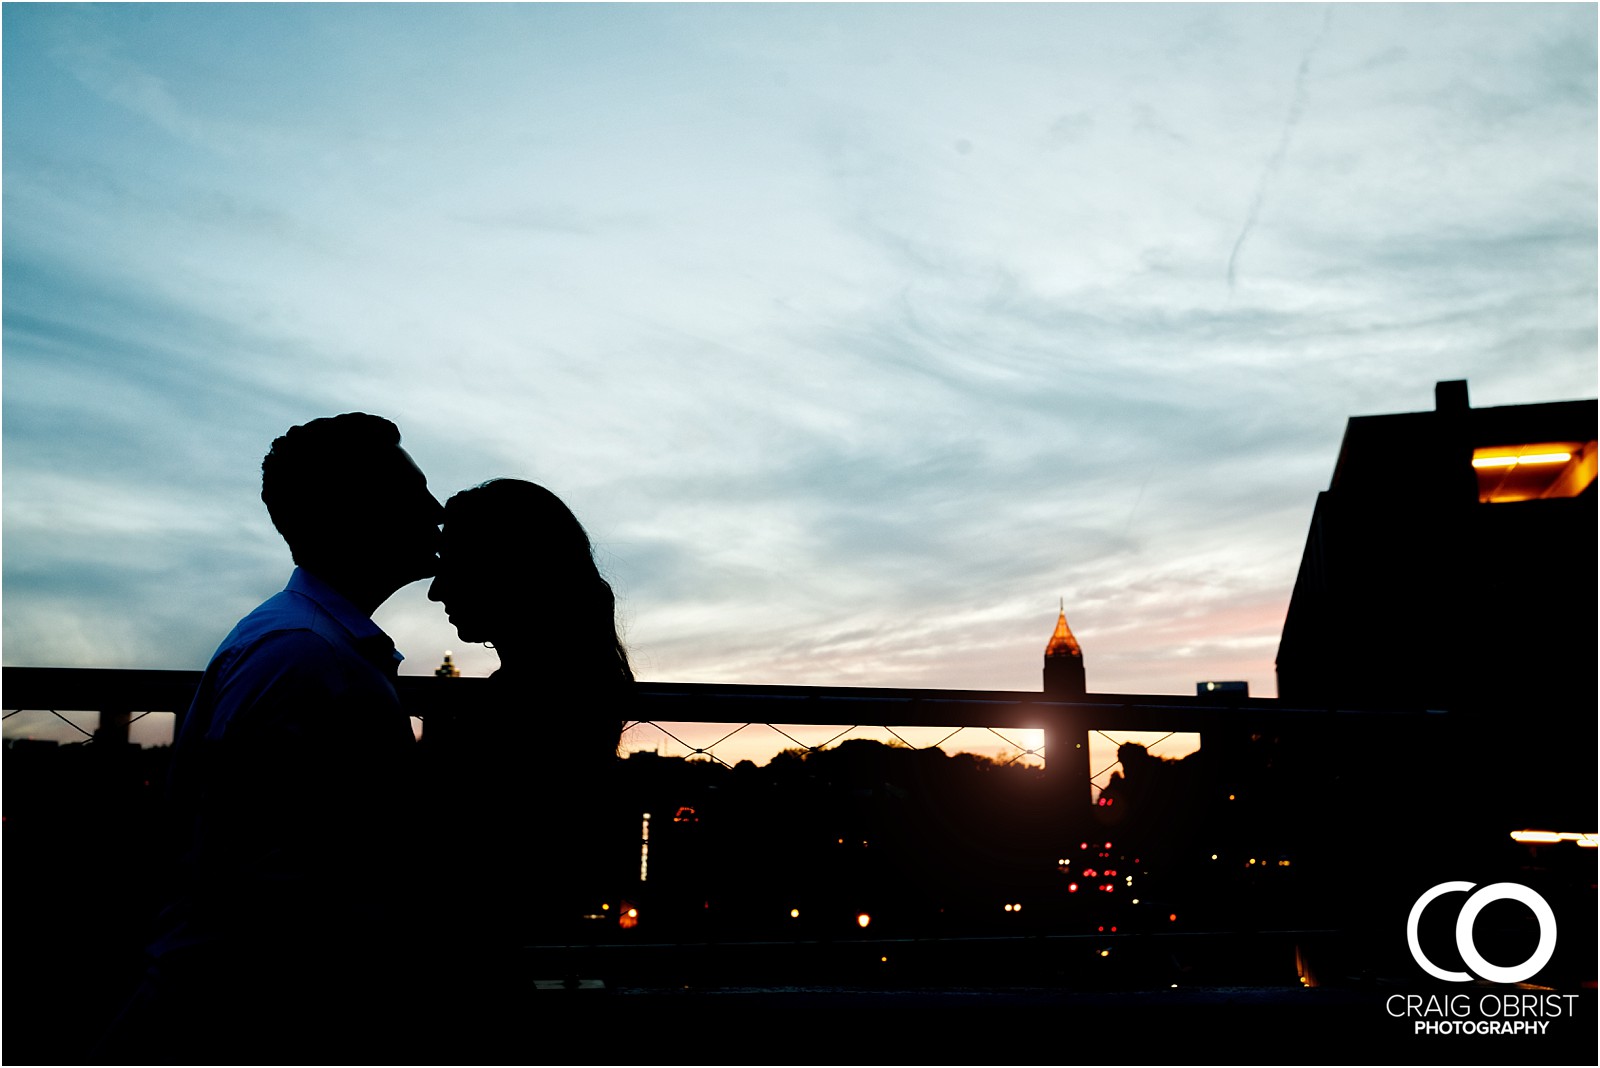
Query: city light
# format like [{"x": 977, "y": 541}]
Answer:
[
  {"x": 1585, "y": 841},
  {"x": 1527, "y": 472},
  {"x": 644, "y": 847},
  {"x": 1526, "y": 458},
  {"x": 862, "y": 919}
]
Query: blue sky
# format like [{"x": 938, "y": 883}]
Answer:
[{"x": 856, "y": 335}]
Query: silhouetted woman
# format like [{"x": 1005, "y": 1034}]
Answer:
[{"x": 521, "y": 786}]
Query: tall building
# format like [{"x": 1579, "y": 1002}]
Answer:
[
  {"x": 1450, "y": 565},
  {"x": 1063, "y": 662}
]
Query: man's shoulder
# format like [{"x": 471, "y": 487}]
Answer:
[
  {"x": 276, "y": 675},
  {"x": 283, "y": 612},
  {"x": 286, "y": 625},
  {"x": 290, "y": 644},
  {"x": 288, "y": 636},
  {"x": 276, "y": 663}
]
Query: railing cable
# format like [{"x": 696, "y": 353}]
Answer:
[
  {"x": 686, "y": 745},
  {"x": 58, "y": 715}
]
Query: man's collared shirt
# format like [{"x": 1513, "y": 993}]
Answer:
[
  {"x": 292, "y": 773},
  {"x": 308, "y": 640}
]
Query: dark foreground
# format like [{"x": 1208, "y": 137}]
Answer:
[{"x": 1029, "y": 1025}]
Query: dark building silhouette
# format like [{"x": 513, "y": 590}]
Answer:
[
  {"x": 1063, "y": 663},
  {"x": 1450, "y": 565}
]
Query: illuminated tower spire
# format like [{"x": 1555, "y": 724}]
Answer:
[{"x": 1063, "y": 662}]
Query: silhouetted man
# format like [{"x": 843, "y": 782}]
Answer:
[{"x": 287, "y": 939}]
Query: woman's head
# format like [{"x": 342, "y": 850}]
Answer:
[{"x": 516, "y": 569}]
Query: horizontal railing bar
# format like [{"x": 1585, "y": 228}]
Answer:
[
  {"x": 94, "y": 689},
  {"x": 97, "y": 689}
]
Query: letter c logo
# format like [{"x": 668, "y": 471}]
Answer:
[{"x": 1464, "y": 944}]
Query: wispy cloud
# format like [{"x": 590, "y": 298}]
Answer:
[
  {"x": 855, "y": 334},
  {"x": 1297, "y": 107}
]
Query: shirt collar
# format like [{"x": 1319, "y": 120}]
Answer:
[{"x": 365, "y": 633}]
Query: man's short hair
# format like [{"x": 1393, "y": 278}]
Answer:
[{"x": 311, "y": 474}]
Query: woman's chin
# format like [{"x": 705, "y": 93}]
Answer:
[{"x": 468, "y": 630}]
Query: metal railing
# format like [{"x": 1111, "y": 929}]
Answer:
[
  {"x": 120, "y": 697},
  {"x": 1267, "y": 757}
]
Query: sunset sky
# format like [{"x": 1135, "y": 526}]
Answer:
[{"x": 856, "y": 335}]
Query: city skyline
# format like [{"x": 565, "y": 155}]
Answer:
[{"x": 856, "y": 336}]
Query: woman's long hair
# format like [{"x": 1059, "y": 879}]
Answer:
[{"x": 564, "y": 612}]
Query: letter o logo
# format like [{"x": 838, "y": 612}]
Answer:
[{"x": 1464, "y": 945}]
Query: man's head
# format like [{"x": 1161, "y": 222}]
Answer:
[{"x": 351, "y": 504}]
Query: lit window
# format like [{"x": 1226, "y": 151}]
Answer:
[{"x": 1534, "y": 471}]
